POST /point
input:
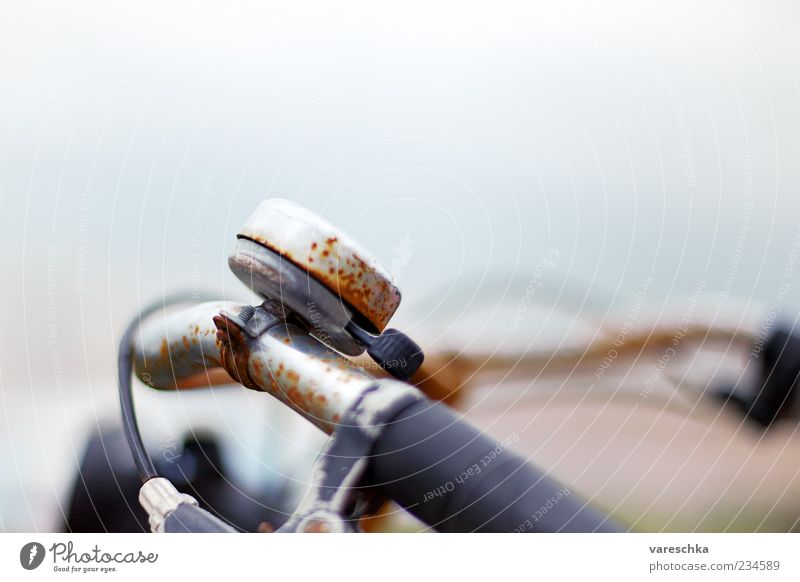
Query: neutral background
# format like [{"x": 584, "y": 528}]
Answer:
[{"x": 460, "y": 142}]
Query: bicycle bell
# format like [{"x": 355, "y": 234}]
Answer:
[{"x": 288, "y": 254}]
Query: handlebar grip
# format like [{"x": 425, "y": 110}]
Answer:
[{"x": 456, "y": 479}]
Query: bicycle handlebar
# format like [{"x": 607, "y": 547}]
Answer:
[{"x": 427, "y": 459}]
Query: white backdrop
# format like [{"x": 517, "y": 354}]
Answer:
[{"x": 458, "y": 141}]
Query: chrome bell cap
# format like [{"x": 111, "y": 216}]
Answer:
[{"x": 328, "y": 255}]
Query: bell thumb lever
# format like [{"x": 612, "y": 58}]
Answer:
[{"x": 392, "y": 350}]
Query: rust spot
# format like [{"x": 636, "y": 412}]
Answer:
[
  {"x": 234, "y": 351},
  {"x": 313, "y": 246},
  {"x": 295, "y": 398},
  {"x": 185, "y": 341}
]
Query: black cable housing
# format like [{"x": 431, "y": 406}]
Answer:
[{"x": 144, "y": 464}]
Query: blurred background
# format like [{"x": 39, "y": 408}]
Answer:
[{"x": 525, "y": 172}]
